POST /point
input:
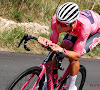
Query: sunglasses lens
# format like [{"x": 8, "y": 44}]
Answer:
[{"x": 61, "y": 24}]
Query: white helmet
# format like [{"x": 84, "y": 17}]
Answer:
[{"x": 68, "y": 12}]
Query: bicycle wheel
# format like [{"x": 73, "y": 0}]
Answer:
[
  {"x": 80, "y": 79},
  {"x": 21, "y": 79}
]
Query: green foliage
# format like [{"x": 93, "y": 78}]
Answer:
[
  {"x": 16, "y": 14},
  {"x": 30, "y": 19},
  {"x": 12, "y": 37},
  {"x": 39, "y": 10},
  {"x": 96, "y": 50},
  {"x": 97, "y": 8},
  {"x": 45, "y": 36}
]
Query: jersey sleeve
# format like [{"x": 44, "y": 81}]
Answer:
[
  {"x": 54, "y": 34},
  {"x": 81, "y": 40}
]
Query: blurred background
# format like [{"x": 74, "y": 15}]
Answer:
[
  {"x": 38, "y": 11},
  {"x": 42, "y": 10}
]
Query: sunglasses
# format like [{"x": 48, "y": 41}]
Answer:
[{"x": 62, "y": 24}]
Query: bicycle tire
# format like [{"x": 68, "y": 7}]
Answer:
[
  {"x": 33, "y": 70},
  {"x": 82, "y": 71}
]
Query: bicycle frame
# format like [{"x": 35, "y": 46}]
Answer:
[{"x": 47, "y": 66}]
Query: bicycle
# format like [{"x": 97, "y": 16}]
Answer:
[{"x": 38, "y": 73}]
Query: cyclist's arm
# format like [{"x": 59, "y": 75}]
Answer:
[
  {"x": 69, "y": 54},
  {"x": 72, "y": 55},
  {"x": 54, "y": 34},
  {"x": 82, "y": 38},
  {"x": 78, "y": 49}
]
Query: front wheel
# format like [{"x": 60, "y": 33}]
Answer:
[
  {"x": 30, "y": 74},
  {"x": 80, "y": 79}
]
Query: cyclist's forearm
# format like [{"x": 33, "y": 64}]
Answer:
[{"x": 72, "y": 55}]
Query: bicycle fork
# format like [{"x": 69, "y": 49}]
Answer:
[
  {"x": 40, "y": 76},
  {"x": 49, "y": 72}
]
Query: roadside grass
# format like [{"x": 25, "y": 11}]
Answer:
[
  {"x": 10, "y": 39},
  {"x": 40, "y": 11},
  {"x": 95, "y": 52}
]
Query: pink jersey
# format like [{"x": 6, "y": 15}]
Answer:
[{"x": 88, "y": 23}]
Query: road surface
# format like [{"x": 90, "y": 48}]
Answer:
[{"x": 13, "y": 63}]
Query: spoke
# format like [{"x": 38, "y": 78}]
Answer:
[{"x": 24, "y": 80}]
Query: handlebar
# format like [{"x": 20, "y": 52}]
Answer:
[{"x": 26, "y": 38}]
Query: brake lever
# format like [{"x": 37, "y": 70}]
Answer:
[
  {"x": 24, "y": 38},
  {"x": 25, "y": 46},
  {"x": 20, "y": 43},
  {"x": 60, "y": 56}
]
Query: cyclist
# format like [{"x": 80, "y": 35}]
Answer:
[{"x": 83, "y": 34}]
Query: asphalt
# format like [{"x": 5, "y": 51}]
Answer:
[{"x": 13, "y": 63}]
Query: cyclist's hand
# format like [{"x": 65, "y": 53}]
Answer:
[
  {"x": 69, "y": 54},
  {"x": 56, "y": 47},
  {"x": 43, "y": 41}
]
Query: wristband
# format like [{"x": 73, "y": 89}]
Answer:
[{"x": 64, "y": 51}]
